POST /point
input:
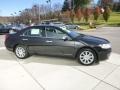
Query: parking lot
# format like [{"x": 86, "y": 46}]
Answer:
[{"x": 61, "y": 73}]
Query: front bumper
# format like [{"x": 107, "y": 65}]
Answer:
[{"x": 104, "y": 54}]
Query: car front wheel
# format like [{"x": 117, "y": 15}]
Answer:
[
  {"x": 21, "y": 52},
  {"x": 87, "y": 56}
]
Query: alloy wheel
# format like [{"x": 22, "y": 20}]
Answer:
[
  {"x": 21, "y": 52},
  {"x": 87, "y": 57}
]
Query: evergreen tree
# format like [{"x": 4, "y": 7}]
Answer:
[
  {"x": 96, "y": 13},
  {"x": 81, "y": 3},
  {"x": 106, "y": 13},
  {"x": 66, "y": 6}
]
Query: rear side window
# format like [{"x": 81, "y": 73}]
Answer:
[{"x": 34, "y": 32}]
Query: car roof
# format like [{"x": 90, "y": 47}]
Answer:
[
  {"x": 43, "y": 26},
  {"x": 37, "y": 27}
]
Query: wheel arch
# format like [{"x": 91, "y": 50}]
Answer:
[
  {"x": 25, "y": 51},
  {"x": 17, "y": 45},
  {"x": 87, "y": 47}
]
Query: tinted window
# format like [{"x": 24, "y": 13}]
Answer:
[
  {"x": 1, "y": 26},
  {"x": 55, "y": 33},
  {"x": 71, "y": 33}
]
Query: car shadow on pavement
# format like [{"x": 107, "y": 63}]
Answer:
[
  {"x": 53, "y": 60},
  {"x": 42, "y": 59},
  {"x": 6, "y": 55}
]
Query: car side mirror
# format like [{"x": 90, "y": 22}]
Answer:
[{"x": 65, "y": 38}]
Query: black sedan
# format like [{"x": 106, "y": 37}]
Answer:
[
  {"x": 4, "y": 29},
  {"x": 52, "y": 40},
  {"x": 8, "y": 29}
]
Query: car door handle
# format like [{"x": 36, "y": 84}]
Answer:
[
  {"x": 24, "y": 39},
  {"x": 49, "y": 41}
]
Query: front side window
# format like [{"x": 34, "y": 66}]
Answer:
[
  {"x": 55, "y": 33},
  {"x": 73, "y": 34}
]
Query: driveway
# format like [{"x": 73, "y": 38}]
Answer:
[{"x": 60, "y": 73}]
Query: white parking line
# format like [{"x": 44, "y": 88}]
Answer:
[{"x": 2, "y": 48}]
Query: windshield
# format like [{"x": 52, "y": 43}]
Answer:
[{"x": 74, "y": 34}]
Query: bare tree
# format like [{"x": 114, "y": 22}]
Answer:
[{"x": 41, "y": 12}]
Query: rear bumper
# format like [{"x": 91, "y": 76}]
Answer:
[
  {"x": 9, "y": 49},
  {"x": 8, "y": 46}
]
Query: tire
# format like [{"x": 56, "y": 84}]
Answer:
[
  {"x": 86, "y": 56},
  {"x": 21, "y": 52}
]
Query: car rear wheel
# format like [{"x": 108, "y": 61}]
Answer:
[
  {"x": 21, "y": 52},
  {"x": 87, "y": 56}
]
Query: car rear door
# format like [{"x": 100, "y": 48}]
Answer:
[
  {"x": 33, "y": 39},
  {"x": 36, "y": 40}
]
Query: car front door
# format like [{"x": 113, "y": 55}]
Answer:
[{"x": 57, "y": 44}]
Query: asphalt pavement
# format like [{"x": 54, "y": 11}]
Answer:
[{"x": 60, "y": 73}]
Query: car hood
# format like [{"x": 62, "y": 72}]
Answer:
[{"x": 92, "y": 40}]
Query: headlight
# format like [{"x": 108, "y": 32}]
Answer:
[{"x": 105, "y": 46}]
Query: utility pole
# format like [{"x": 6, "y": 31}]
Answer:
[
  {"x": 35, "y": 7},
  {"x": 13, "y": 18},
  {"x": 39, "y": 13},
  {"x": 50, "y": 2},
  {"x": 72, "y": 11},
  {"x": 73, "y": 5}
]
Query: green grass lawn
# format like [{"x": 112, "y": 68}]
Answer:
[{"x": 114, "y": 20}]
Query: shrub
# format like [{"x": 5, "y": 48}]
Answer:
[
  {"x": 72, "y": 15},
  {"x": 79, "y": 14},
  {"x": 96, "y": 13},
  {"x": 86, "y": 14},
  {"x": 106, "y": 13}
]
